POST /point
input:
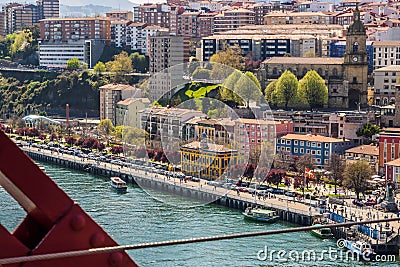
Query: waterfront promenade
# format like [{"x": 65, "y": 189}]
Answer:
[{"x": 289, "y": 209}]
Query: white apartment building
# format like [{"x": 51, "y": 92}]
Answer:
[
  {"x": 385, "y": 80},
  {"x": 386, "y": 53},
  {"x": 58, "y": 54},
  {"x": 110, "y": 95}
]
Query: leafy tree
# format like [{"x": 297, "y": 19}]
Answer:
[
  {"x": 270, "y": 94},
  {"x": 248, "y": 87},
  {"x": 121, "y": 63},
  {"x": 201, "y": 73},
  {"x": 139, "y": 62},
  {"x": 228, "y": 86},
  {"x": 73, "y": 63},
  {"x": 313, "y": 90},
  {"x": 310, "y": 53},
  {"x": 231, "y": 57},
  {"x": 356, "y": 175},
  {"x": 99, "y": 67},
  {"x": 286, "y": 88},
  {"x": 282, "y": 160},
  {"x": 368, "y": 130},
  {"x": 22, "y": 40},
  {"x": 336, "y": 167},
  {"x": 105, "y": 127},
  {"x": 302, "y": 163}
]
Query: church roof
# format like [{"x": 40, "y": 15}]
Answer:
[{"x": 305, "y": 60}]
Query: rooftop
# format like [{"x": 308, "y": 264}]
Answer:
[
  {"x": 211, "y": 147},
  {"x": 118, "y": 87},
  {"x": 129, "y": 101},
  {"x": 389, "y": 68},
  {"x": 387, "y": 43},
  {"x": 395, "y": 163},
  {"x": 313, "y": 138},
  {"x": 365, "y": 150},
  {"x": 304, "y": 60}
]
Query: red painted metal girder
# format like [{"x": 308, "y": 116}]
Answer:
[{"x": 54, "y": 223}]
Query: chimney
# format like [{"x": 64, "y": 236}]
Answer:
[{"x": 67, "y": 113}]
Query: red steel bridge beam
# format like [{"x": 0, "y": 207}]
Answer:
[{"x": 54, "y": 222}]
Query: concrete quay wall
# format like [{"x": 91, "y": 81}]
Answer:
[{"x": 202, "y": 194}]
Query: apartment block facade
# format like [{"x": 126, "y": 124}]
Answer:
[
  {"x": 319, "y": 147},
  {"x": 385, "y": 80},
  {"x": 75, "y": 29},
  {"x": 233, "y": 19}
]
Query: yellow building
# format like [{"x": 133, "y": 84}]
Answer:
[{"x": 208, "y": 161}]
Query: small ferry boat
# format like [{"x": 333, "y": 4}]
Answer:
[
  {"x": 323, "y": 233},
  {"x": 361, "y": 249},
  {"x": 118, "y": 184},
  {"x": 260, "y": 215}
]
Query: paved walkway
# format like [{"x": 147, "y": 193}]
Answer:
[{"x": 350, "y": 211}]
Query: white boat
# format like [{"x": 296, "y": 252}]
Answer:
[
  {"x": 118, "y": 184},
  {"x": 362, "y": 249}
]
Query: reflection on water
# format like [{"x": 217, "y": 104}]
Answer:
[{"x": 135, "y": 217}]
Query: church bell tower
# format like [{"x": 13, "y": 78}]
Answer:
[{"x": 355, "y": 62}]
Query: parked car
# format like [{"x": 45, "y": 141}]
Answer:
[
  {"x": 376, "y": 192},
  {"x": 290, "y": 194},
  {"x": 389, "y": 206},
  {"x": 370, "y": 202},
  {"x": 358, "y": 203}
]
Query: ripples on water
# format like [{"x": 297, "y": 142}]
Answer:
[{"x": 135, "y": 217}]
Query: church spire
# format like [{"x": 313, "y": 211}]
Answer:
[{"x": 356, "y": 14}]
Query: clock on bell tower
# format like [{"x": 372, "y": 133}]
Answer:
[{"x": 355, "y": 62}]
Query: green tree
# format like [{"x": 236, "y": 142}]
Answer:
[
  {"x": 310, "y": 53},
  {"x": 105, "y": 127},
  {"x": 356, "y": 175},
  {"x": 313, "y": 90},
  {"x": 336, "y": 168},
  {"x": 286, "y": 88},
  {"x": 367, "y": 131},
  {"x": 270, "y": 93},
  {"x": 248, "y": 87},
  {"x": 99, "y": 67},
  {"x": 121, "y": 63},
  {"x": 228, "y": 86},
  {"x": 21, "y": 41},
  {"x": 231, "y": 57},
  {"x": 139, "y": 62},
  {"x": 201, "y": 73},
  {"x": 73, "y": 63}
]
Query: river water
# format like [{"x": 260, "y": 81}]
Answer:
[{"x": 136, "y": 217}]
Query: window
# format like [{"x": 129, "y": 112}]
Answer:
[
  {"x": 318, "y": 152},
  {"x": 288, "y": 149},
  {"x": 301, "y": 150},
  {"x": 302, "y": 143},
  {"x": 308, "y": 151},
  {"x": 318, "y": 144},
  {"x": 296, "y": 142},
  {"x": 313, "y": 144},
  {"x": 295, "y": 150},
  {"x": 312, "y": 152},
  {"x": 355, "y": 47},
  {"x": 326, "y": 153},
  {"x": 288, "y": 142}
]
